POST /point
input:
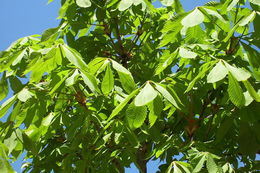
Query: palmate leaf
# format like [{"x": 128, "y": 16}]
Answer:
[
  {"x": 146, "y": 95},
  {"x": 235, "y": 91},
  {"x": 135, "y": 115}
]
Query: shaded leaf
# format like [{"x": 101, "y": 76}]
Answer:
[
  {"x": 108, "y": 81},
  {"x": 135, "y": 115},
  {"x": 235, "y": 91},
  {"x": 123, "y": 104}
]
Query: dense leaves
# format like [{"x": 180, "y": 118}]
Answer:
[{"x": 124, "y": 81}]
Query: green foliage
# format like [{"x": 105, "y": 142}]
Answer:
[{"x": 123, "y": 81}]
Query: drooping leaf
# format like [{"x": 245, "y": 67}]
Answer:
[
  {"x": 239, "y": 73},
  {"x": 108, "y": 81},
  {"x": 155, "y": 108},
  {"x": 146, "y": 95},
  {"x": 235, "y": 91},
  {"x": 4, "y": 164},
  {"x": 196, "y": 17},
  {"x": 3, "y": 87},
  {"x": 90, "y": 81},
  {"x": 215, "y": 14},
  {"x": 125, "y": 76},
  {"x": 211, "y": 165},
  {"x": 74, "y": 57},
  {"x": 185, "y": 53},
  {"x": 50, "y": 33},
  {"x": 218, "y": 73},
  {"x": 247, "y": 19},
  {"x": 167, "y": 2},
  {"x": 252, "y": 91},
  {"x": 24, "y": 95},
  {"x": 18, "y": 57},
  {"x": 123, "y": 104},
  {"x": 166, "y": 95},
  {"x": 200, "y": 164},
  {"x": 83, "y": 3},
  {"x": 135, "y": 115},
  {"x": 125, "y": 4},
  {"x": 7, "y": 105},
  {"x": 71, "y": 80}
]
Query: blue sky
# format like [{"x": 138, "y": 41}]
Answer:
[{"x": 20, "y": 18}]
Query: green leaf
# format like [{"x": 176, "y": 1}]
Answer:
[
  {"x": 166, "y": 60},
  {"x": 146, "y": 95},
  {"x": 202, "y": 72},
  {"x": 29, "y": 144},
  {"x": 246, "y": 20},
  {"x": 125, "y": 77},
  {"x": 107, "y": 84},
  {"x": 71, "y": 80},
  {"x": 167, "y": 2},
  {"x": 252, "y": 91},
  {"x": 3, "y": 87},
  {"x": 74, "y": 57},
  {"x": 211, "y": 165},
  {"x": 6, "y": 105},
  {"x": 58, "y": 85},
  {"x": 135, "y": 115},
  {"x": 196, "y": 17},
  {"x": 4, "y": 164},
  {"x": 122, "y": 104},
  {"x": 83, "y": 3},
  {"x": 90, "y": 81},
  {"x": 185, "y": 53},
  {"x": 24, "y": 95},
  {"x": 155, "y": 109},
  {"x": 218, "y": 73},
  {"x": 232, "y": 4},
  {"x": 118, "y": 67},
  {"x": 50, "y": 33},
  {"x": 95, "y": 64},
  {"x": 166, "y": 95},
  {"x": 11, "y": 143},
  {"x": 239, "y": 73},
  {"x": 200, "y": 164},
  {"x": 125, "y": 4},
  {"x": 235, "y": 91},
  {"x": 256, "y": 2},
  {"x": 19, "y": 57},
  {"x": 214, "y": 13}
]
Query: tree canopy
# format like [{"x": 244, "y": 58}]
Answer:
[{"x": 123, "y": 81}]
